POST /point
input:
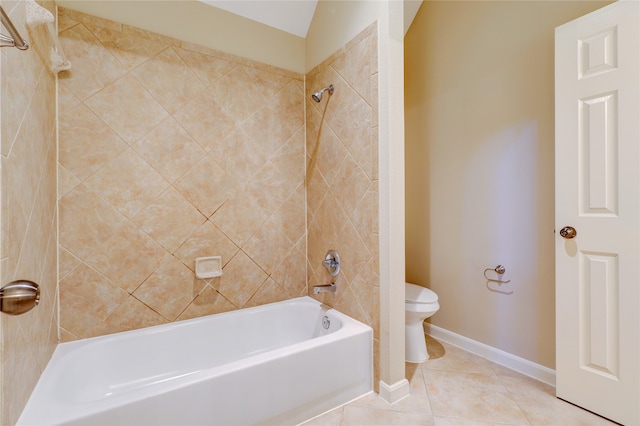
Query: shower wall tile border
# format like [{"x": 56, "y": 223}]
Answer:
[{"x": 70, "y": 17}]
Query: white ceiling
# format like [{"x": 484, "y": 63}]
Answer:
[{"x": 292, "y": 16}]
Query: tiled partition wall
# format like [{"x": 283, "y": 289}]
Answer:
[
  {"x": 28, "y": 209},
  {"x": 168, "y": 152},
  {"x": 342, "y": 179}
]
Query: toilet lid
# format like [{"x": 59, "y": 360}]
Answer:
[{"x": 418, "y": 294}]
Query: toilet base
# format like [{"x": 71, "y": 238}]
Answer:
[{"x": 415, "y": 344}]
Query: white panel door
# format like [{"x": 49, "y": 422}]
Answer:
[{"x": 598, "y": 194}]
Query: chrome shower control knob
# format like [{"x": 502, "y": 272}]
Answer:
[
  {"x": 568, "y": 232},
  {"x": 332, "y": 262}
]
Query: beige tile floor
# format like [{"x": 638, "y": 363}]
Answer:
[{"x": 455, "y": 387}]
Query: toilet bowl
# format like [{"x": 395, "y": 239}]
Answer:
[{"x": 419, "y": 304}]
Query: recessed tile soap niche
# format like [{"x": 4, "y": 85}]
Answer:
[{"x": 208, "y": 267}]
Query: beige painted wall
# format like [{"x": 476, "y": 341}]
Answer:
[
  {"x": 198, "y": 23},
  {"x": 28, "y": 210},
  {"x": 479, "y": 166}
]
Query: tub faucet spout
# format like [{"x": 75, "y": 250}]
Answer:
[{"x": 329, "y": 288}]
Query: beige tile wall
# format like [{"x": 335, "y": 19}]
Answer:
[
  {"x": 168, "y": 152},
  {"x": 342, "y": 178},
  {"x": 28, "y": 210}
]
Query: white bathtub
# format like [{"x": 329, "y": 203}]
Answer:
[{"x": 272, "y": 364}]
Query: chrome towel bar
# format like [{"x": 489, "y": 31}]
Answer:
[
  {"x": 499, "y": 270},
  {"x": 14, "y": 39}
]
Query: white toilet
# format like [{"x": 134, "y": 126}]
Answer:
[{"x": 419, "y": 304}]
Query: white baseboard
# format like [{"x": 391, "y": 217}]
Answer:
[
  {"x": 395, "y": 392},
  {"x": 521, "y": 365}
]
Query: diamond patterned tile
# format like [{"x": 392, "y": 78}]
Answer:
[
  {"x": 317, "y": 188},
  {"x": 238, "y": 94},
  {"x": 86, "y": 293},
  {"x": 365, "y": 216},
  {"x": 130, "y": 50},
  {"x": 269, "y": 82},
  {"x": 143, "y": 183},
  {"x": 250, "y": 183},
  {"x": 291, "y": 215},
  {"x": 288, "y": 103},
  {"x": 27, "y": 153},
  {"x": 269, "y": 292},
  {"x": 131, "y": 315},
  {"x": 136, "y": 112},
  {"x": 349, "y": 184},
  {"x": 86, "y": 221},
  {"x": 207, "y": 186},
  {"x": 206, "y": 121},
  {"x": 67, "y": 262},
  {"x": 291, "y": 273},
  {"x": 289, "y": 158},
  {"x": 353, "y": 250},
  {"x": 66, "y": 181},
  {"x": 268, "y": 246},
  {"x": 355, "y": 67},
  {"x": 208, "y": 68},
  {"x": 169, "y": 80},
  {"x": 94, "y": 67},
  {"x": 241, "y": 279},
  {"x": 241, "y": 167},
  {"x": 239, "y": 218},
  {"x": 66, "y": 99},
  {"x": 206, "y": 241},
  {"x": 86, "y": 143},
  {"x": 208, "y": 302},
  {"x": 268, "y": 128},
  {"x": 127, "y": 258},
  {"x": 170, "y": 288},
  {"x": 169, "y": 149},
  {"x": 269, "y": 187},
  {"x": 330, "y": 154},
  {"x": 169, "y": 219},
  {"x": 351, "y": 117}
]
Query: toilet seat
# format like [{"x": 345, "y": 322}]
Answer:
[{"x": 417, "y": 294}]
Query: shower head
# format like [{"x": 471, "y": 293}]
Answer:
[{"x": 318, "y": 95}]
